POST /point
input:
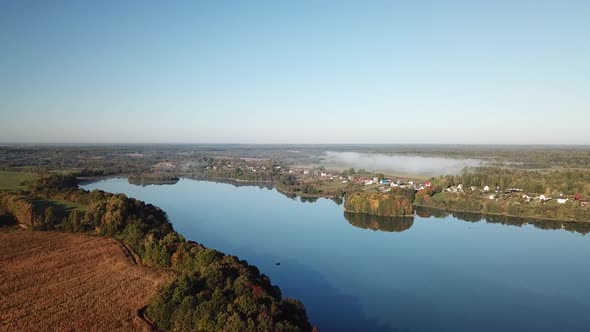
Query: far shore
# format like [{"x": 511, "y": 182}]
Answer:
[{"x": 92, "y": 179}]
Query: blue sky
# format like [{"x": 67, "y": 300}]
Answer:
[{"x": 497, "y": 72}]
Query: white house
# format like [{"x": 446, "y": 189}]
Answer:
[
  {"x": 492, "y": 197},
  {"x": 561, "y": 200},
  {"x": 486, "y": 189}
]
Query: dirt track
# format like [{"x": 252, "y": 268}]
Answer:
[{"x": 71, "y": 282}]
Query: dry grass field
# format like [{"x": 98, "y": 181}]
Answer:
[{"x": 71, "y": 282}]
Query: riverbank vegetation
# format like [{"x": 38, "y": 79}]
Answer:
[
  {"x": 555, "y": 195},
  {"x": 556, "y": 172},
  {"x": 152, "y": 179},
  {"x": 214, "y": 291}
]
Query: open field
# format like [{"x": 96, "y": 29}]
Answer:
[
  {"x": 63, "y": 281},
  {"x": 11, "y": 181},
  {"x": 62, "y": 208}
]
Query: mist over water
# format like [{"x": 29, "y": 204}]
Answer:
[{"x": 400, "y": 163}]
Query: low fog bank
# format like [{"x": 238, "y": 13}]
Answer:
[{"x": 402, "y": 164}]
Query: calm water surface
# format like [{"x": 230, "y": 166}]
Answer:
[{"x": 428, "y": 274}]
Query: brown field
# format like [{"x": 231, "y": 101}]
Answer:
[{"x": 72, "y": 282}]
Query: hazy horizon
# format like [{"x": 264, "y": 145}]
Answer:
[{"x": 264, "y": 72}]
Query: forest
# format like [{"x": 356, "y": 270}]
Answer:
[
  {"x": 213, "y": 291},
  {"x": 397, "y": 202}
]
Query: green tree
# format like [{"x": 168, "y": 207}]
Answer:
[{"x": 49, "y": 218}]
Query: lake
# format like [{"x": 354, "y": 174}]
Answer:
[{"x": 359, "y": 273}]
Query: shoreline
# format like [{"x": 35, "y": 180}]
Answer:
[
  {"x": 501, "y": 215},
  {"x": 384, "y": 216},
  {"x": 88, "y": 180}
]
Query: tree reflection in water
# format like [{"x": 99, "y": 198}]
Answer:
[
  {"x": 578, "y": 227},
  {"x": 379, "y": 223}
]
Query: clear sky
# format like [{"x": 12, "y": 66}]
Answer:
[{"x": 295, "y": 71}]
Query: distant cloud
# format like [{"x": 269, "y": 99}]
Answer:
[{"x": 400, "y": 163}]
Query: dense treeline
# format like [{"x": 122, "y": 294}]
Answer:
[
  {"x": 310, "y": 190},
  {"x": 152, "y": 178},
  {"x": 269, "y": 175},
  {"x": 18, "y": 206},
  {"x": 568, "y": 182},
  {"x": 572, "y": 183},
  {"x": 27, "y": 211},
  {"x": 514, "y": 206},
  {"x": 214, "y": 291},
  {"x": 393, "y": 203}
]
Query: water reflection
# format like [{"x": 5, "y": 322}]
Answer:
[
  {"x": 578, "y": 227},
  {"x": 310, "y": 199},
  {"x": 379, "y": 223},
  {"x": 143, "y": 182}
]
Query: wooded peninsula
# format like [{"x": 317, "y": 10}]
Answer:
[{"x": 212, "y": 292}]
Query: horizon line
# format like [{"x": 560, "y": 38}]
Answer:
[{"x": 291, "y": 144}]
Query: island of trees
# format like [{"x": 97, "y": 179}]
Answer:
[{"x": 390, "y": 204}]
